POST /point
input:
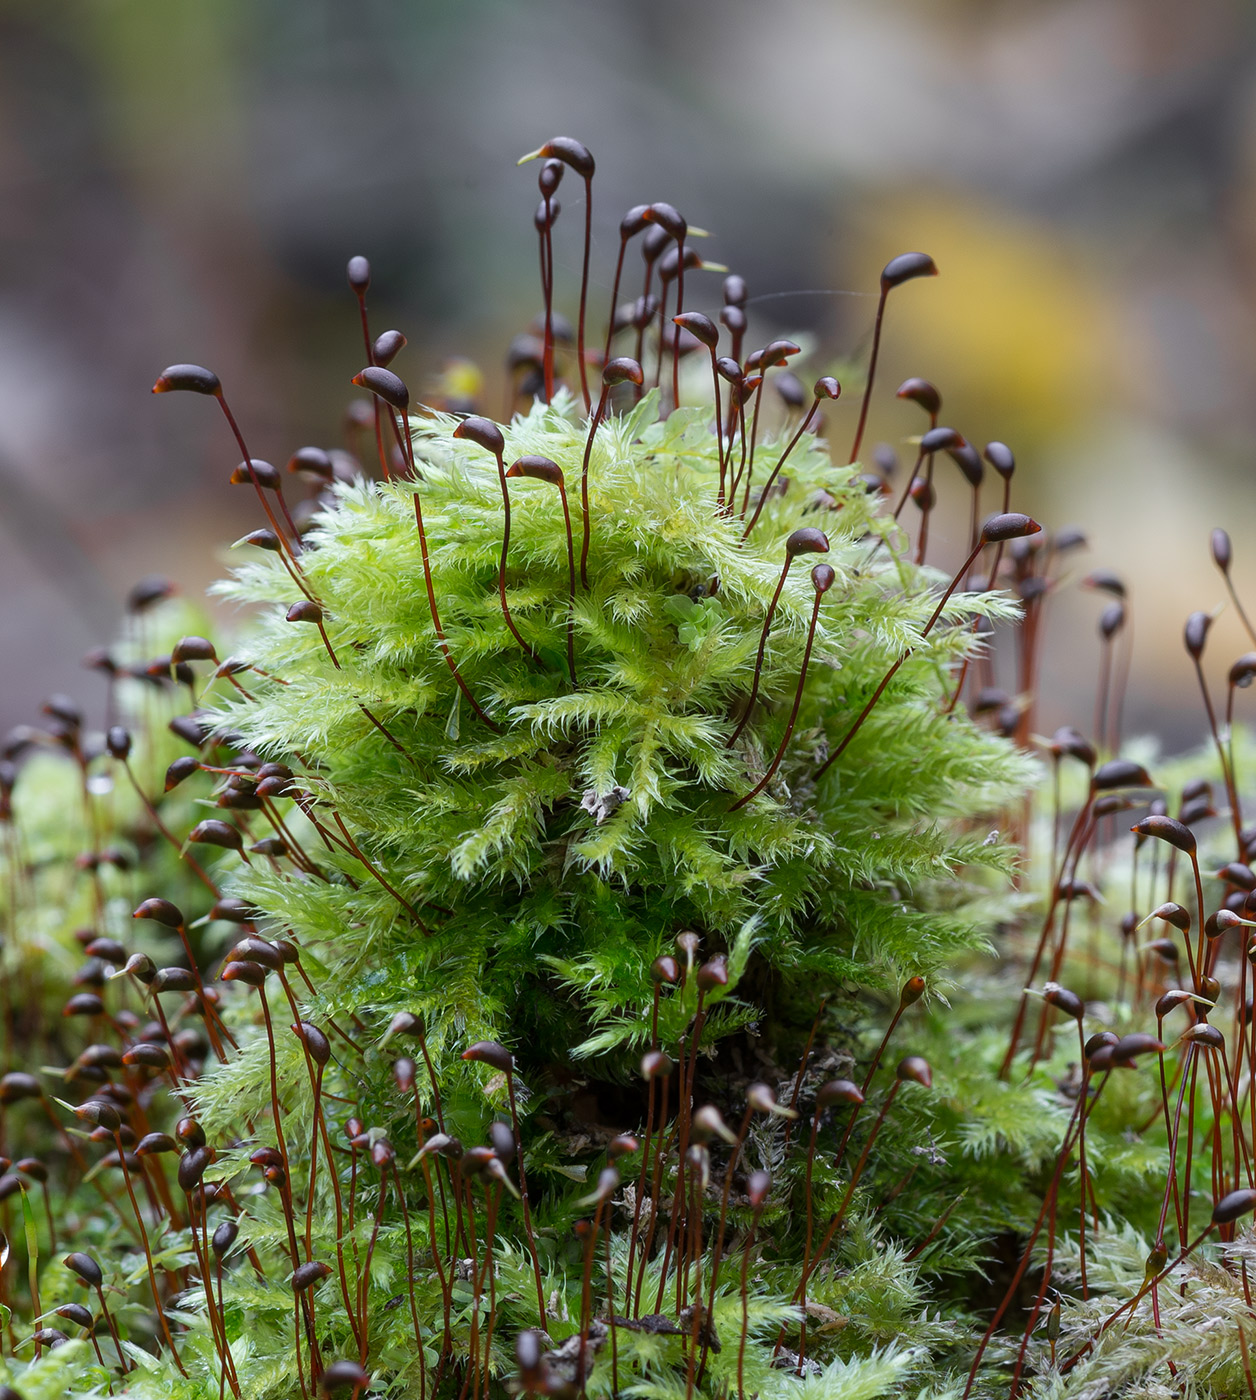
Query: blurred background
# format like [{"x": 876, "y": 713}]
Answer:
[{"x": 185, "y": 181}]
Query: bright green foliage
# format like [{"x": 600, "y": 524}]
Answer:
[
  {"x": 552, "y": 917},
  {"x": 531, "y": 922},
  {"x": 516, "y": 883}
]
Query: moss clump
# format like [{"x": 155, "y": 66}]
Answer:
[{"x": 592, "y": 1001}]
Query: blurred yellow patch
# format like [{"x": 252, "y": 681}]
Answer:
[{"x": 1015, "y": 331}]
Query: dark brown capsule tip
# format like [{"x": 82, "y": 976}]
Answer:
[
  {"x": 665, "y": 969},
  {"x": 1221, "y": 551},
  {"x": 570, "y": 151},
  {"x": 213, "y": 832},
  {"x": 118, "y": 742},
  {"x": 917, "y": 1069},
  {"x": 193, "y": 1165},
  {"x": 16, "y": 1085},
  {"x": 734, "y": 290},
  {"x": 489, "y": 1052},
  {"x": 86, "y": 1268},
  {"x": 546, "y": 215},
  {"x": 193, "y": 378},
  {"x": 633, "y": 221},
  {"x": 1106, "y": 582},
  {"x": 939, "y": 439},
  {"x": 713, "y": 973},
  {"x": 822, "y": 578},
  {"x": 179, "y": 772},
  {"x": 307, "y": 1275},
  {"x": 1195, "y": 633},
  {"x": 148, "y": 592},
  {"x": 265, "y": 474},
  {"x": 233, "y": 911},
  {"x": 550, "y": 178},
  {"x": 1120, "y": 773},
  {"x": 1170, "y": 1002},
  {"x": 1100, "y": 1040},
  {"x": 699, "y": 326},
  {"x": 808, "y": 540},
  {"x": 1233, "y": 1207},
  {"x": 405, "y": 1023},
  {"x": 193, "y": 649},
  {"x": 224, "y": 1237},
  {"x": 1172, "y": 914},
  {"x": 1167, "y": 829},
  {"x": 1201, "y": 1033},
  {"x": 258, "y": 950},
  {"x": 668, "y": 218},
  {"x": 905, "y": 267},
  {"x": 313, "y": 460},
  {"x": 263, "y": 539},
  {"x": 160, "y": 911},
  {"x": 1067, "y": 741},
  {"x": 838, "y": 1091},
  {"x": 1000, "y": 457},
  {"x": 826, "y": 387},
  {"x": 83, "y": 1004},
  {"x": 771, "y": 355},
  {"x": 72, "y": 1312},
  {"x": 622, "y": 370},
  {"x": 107, "y": 950},
  {"x": 1111, "y": 620},
  {"x": 99, "y": 1114},
  {"x": 483, "y": 432},
  {"x": 1064, "y": 1000},
  {"x": 921, "y": 392},
  {"x": 153, "y": 1143},
  {"x": 359, "y": 274},
  {"x": 189, "y": 1132},
  {"x": 1243, "y": 672},
  {"x": 1129, "y": 1047},
  {"x": 314, "y": 1041},
  {"x": 305, "y": 611},
  {"x": 251, "y": 973},
  {"x": 913, "y": 990},
  {"x": 537, "y": 468},
  {"x": 388, "y": 345},
  {"x": 384, "y": 384},
  {"x": 968, "y": 460},
  {"x": 1011, "y": 526}
]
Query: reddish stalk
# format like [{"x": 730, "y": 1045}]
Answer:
[
  {"x": 822, "y": 579},
  {"x": 998, "y": 527},
  {"x": 804, "y": 541}
]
